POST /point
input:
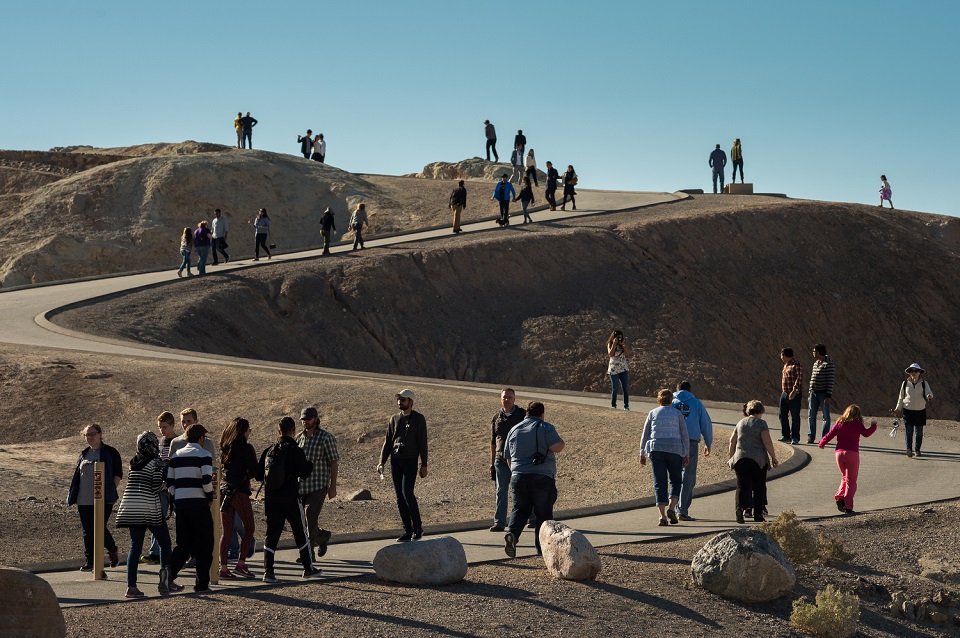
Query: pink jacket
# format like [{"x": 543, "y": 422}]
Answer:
[{"x": 848, "y": 435}]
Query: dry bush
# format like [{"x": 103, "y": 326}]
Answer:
[
  {"x": 832, "y": 550},
  {"x": 798, "y": 544},
  {"x": 835, "y": 614}
]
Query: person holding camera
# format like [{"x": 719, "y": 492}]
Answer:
[
  {"x": 618, "y": 369},
  {"x": 530, "y": 453},
  {"x": 509, "y": 415},
  {"x": 405, "y": 442},
  {"x": 915, "y": 395}
]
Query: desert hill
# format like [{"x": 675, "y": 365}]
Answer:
[{"x": 708, "y": 289}]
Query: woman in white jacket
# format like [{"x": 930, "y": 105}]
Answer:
[
  {"x": 915, "y": 394},
  {"x": 531, "y": 163}
]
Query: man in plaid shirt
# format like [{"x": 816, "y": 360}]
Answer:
[
  {"x": 791, "y": 387},
  {"x": 320, "y": 447}
]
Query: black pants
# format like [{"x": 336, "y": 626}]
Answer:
[
  {"x": 492, "y": 145},
  {"x": 404, "y": 480},
  {"x": 280, "y": 510},
  {"x": 913, "y": 422},
  {"x": 358, "y": 237},
  {"x": 751, "y": 486},
  {"x": 325, "y": 234},
  {"x": 504, "y": 211},
  {"x": 194, "y": 538},
  {"x": 317, "y": 157},
  {"x": 737, "y": 163},
  {"x": 532, "y": 174},
  {"x": 551, "y": 194},
  {"x": 261, "y": 241},
  {"x": 790, "y": 408},
  {"x": 86, "y": 524},
  {"x": 568, "y": 191},
  {"x": 534, "y": 493},
  {"x": 216, "y": 244}
]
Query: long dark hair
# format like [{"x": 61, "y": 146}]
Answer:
[{"x": 231, "y": 434}]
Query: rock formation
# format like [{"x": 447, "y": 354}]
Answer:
[
  {"x": 745, "y": 565},
  {"x": 434, "y": 561}
]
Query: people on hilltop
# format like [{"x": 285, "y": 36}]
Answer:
[
  {"x": 526, "y": 199},
  {"x": 306, "y": 144},
  {"x": 457, "y": 204},
  {"x": 190, "y": 482},
  {"x": 520, "y": 142},
  {"x": 186, "y": 246},
  {"x": 319, "y": 149},
  {"x": 699, "y": 427},
  {"x": 406, "y": 442},
  {"x": 848, "y": 430},
  {"x": 530, "y": 452},
  {"x": 665, "y": 442},
  {"x": 618, "y": 369},
  {"x": 791, "y": 387},
  {"x": 357, "y": 220},
  {"x": 201, "y": 241},
  {"x": 261, "y": 229},
  {"x": 751, "y": 455},
  {"x": 531, "y": 164},
  {"x": 915, "y": 395},
  {"x": 247, "y": 123},
  {"x": 218, "y": 237},
  {"x": 238, "y": 126},
  {"x": 491, "y": 134},
  {"x": 553, "y": 177},
  {"x": 717, "y": 161},
  {"x": 736, "y": 158},
  {"x": 886, "y": 193},
  {"x": 81, "y": 492},
  {"x": 508, "y": 416},
  {"x": 504, "y": 194},
  {"x": 516, "y": 164},
  {"x": 319, "y": 448},
  {"x": 239, "y": 461},
  {"x": 570, "y": 181},
  {"x": 327, "y": 227},
  {"x": 823, "y": 374}
]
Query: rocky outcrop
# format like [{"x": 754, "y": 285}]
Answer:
[
  {"x": 567, "y": 553},
  {"x": 745, "y": 565},
  {"x": 435, "y": 561},
  {"x": 30, "y": 607},
  {"x": 475, "y": 168}
]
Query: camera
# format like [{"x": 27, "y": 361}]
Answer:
[
  {"x": 539, "y": 459},
  {"x": 397, "y": 446}
]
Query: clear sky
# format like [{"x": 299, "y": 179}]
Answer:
[{"x": 825, "y": 95}]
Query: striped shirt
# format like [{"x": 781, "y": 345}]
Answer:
[
  {"x": 792, "y": 380},
  {"x": 321, "y": 450},
  {"x": 822, "y": 375},
  {"x": 141, "y": 497},
  {"x": 189, "y": 475}
]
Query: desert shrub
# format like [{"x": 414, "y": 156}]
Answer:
[
  {"x": 832, "y": 550},
  {"x": 835, "y": 614},
  {"x": 798, "y": 543}
]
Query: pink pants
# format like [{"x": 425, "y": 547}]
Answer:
[{"x": 849, "y": 464}]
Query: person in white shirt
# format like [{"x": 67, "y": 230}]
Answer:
[
  {"x": 218, "y": 238},
  {"x": 319, "y": 148},
  {"x": 915, "y": 395},
  {"x": 532, "y": 167}
]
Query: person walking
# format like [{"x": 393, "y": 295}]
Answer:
[
  {"x": 886, "y": 193},
  {"x": 327, "y": 226},
  {"x": 520, "y": 142},
  {"x": 570, "y": 180},
  {"x": 491, "y": 134},
  {"x": 239, "y": 461},
  {"x": 320, "y": 448},
  {"x": 357, "y": 220},
  {"x": 508, "y": 416},
  {"x": 526, "y": 199},
  {"x": 261, "y": 229},
  {"x": 319, "y": 149},
  {"x": 516, "y": 164},
  {"x": 190, "y": 482},
  {"x": 736, "y": 157},
  {"x": 666, "y": 443},
  {"x": 823, "y": 373},
  {"x": 530, "y": 452},
  {"x": 201, "y": 241},
  {"x": 306, "y": 144},
  {"x": 717, "y": 161},
  {"x": 139, "y": 510},
  {"x": 915, "y": 395},
  {"x": 405, "y": 442},
  {"x": 186, "y": 244},
  {"x": 239, "y": 128},
  {"x": 457, "y": 204},
  {"x": 504, "y": 193},
  {"x": 531, "y": 163},
  {"x": 791, "y": 386},
  {"x": 848, "y": 430},
  {"x": 81, "y": 492},
  {"x": 751, "y": 454},
  {"x": 165, "y": 427},
  {"x": 618, "y": 370},
  {"x": 699, "y": 427},
  {"x": 553, "y": 177},
  {"x": 282, "y": 466},
  {"x": 247, "y": 123},
  {"x": 218, "y": 239}
]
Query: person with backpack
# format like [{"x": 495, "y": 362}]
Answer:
[
  {"x": 915, "y": 395},
  {"x": 280, "y": 469}
]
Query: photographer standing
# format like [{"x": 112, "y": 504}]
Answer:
[
  {"x": 406, "y": 440},
  {"x": 530, "y": 452},
  {"x": 618, "y": 369}
]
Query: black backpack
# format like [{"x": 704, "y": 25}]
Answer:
[{"x": 275, "y": 470}]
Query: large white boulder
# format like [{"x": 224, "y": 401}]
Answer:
[
  {"x": 30, "y": 606},
  {"x": 567, "y": 553},
  {"x": 435, "y": 561},
  {"x": 743, "y": 564}
]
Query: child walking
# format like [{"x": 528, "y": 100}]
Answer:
[
  {"x": 885, "y": 191},
  {"x": 848, "y": 431}
]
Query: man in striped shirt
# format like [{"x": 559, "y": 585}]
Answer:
[
  {"x": 822, "y": 375},
  {"x": 791, "y": 387},
  {"x": 189, "y": 481}
]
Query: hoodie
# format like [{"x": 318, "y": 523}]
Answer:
[{"x": 699, "y": 425}]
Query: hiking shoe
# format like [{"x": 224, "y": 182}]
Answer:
[
  {"x": 86, "y": 567},
  {"x": 748, "y": 512},
  {"x": 497, "y": 528},
  {"x": 417, "y": 535},
  {"x": 684, "y": 517},
  {"x": 226, "y": 573},
  {"x": 849, "y": 512},
  {"x": 150, "y": 559},
  {"x": 114, "y": 558},
  {"x": 324, "y": 540},
  {"x": 841, "y": 505},
  {"x": 909, "y": 454},
  {"x": 406, "y": 537},
  {"x": 510, "y": 545},
  {"x": 242, "y": 571},
  {"x": 809, "y": 439},
  {"x": 269, "y": 577},
  {"x": 312, "y": 572},
  {"x": 796, "y": 441},
  {"x": 133, "y": 592},
  {"x": 740, "y": 516},
  {"x": 672, "y": 516},
  {"x": 917, "y": 453},
  {"x": 663, "y": 523},
  {"x": 626, "y": 408}
]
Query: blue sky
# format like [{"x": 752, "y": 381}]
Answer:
[{"x": 825, "y": 96}]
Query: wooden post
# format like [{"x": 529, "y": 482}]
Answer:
[
  {"x": 215, "y": 513},
  {"x": 98, "y": 539}
]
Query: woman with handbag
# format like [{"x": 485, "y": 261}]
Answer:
[
  {"x": 357, "y": 220},
  {"x": 261, "y": 226},
  {"x": 569, "y": 182}
]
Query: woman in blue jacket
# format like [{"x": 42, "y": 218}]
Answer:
[{"x": 81, "y": 492}]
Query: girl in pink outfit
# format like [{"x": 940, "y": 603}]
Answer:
[{"x": 848, "y": 431}]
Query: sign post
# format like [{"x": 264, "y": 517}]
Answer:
[
  {"x": 98, "y": 539},
  {"x": 215, "y": 513}
]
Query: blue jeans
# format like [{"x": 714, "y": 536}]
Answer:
[
  {"x": 404, "y": 480},
  {"x": 689, "y": 479},
  {"x": 914, "y": 420},
  {"x": 247, "y": 139},
  {"x": 161, "y": 533},
  {"x": 503, "y": 490},
  {"x": 666, "y": 464},
  {"x": 618, "y": 382},
  {"x": 532, "y": 493},
  {"x": 790, "y": 407},
  {"x": 526, "y": 216},
  {"x": 717, "y": 175},
  {"x": 234, "y": 551},
  {"x": 185, "y": 263},
  {"x": 164, "y": 508},
  {"x": 202, "y": 252},
  {"x": 817, "y": 403}
]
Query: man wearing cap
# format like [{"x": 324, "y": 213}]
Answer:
[
  {"x": 912, "y": 402},
  {"x": 503, "y": 193},
  {"x": 822, "y": 376},
  {"x": 405, "y": 442},
  {"x": 509, "y": 415},
  {"x": 190, "y": 483},
  {"x": 458, "y": 201},
  {"x": 320, "y": 448}
]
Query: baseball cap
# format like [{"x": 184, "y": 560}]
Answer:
[
  {"x": 406, "y": 393},
  {"x": 308, "y": 413}
]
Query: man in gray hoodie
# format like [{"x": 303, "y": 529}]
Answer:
[{"x": 699, "y": 426}]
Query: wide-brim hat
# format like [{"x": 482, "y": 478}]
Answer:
[{"x": 914, "y": 366}]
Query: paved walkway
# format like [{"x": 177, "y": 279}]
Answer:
[{"x": 888, "y": 478}]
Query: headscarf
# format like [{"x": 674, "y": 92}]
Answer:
[{"x": 148, "y": 448}]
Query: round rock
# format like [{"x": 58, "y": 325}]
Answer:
[
  {"x": 435, "y": 561},
  {"x": 745, "y": 565},
  {"x": 567, "y": 553},
  {"x": 31, "y": 607}
]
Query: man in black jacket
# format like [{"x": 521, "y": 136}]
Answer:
[
  {"x": 326, "y": 225},
  {"x": 246, "y": 124},
  {"x": 406, "y": 441},
  {"x": 458, "y": 201},
  {"x": 503, "y": 421},
  {"x": 520, "y": 142},
  {"x": 551, "y": 193},
  {"x": 282, "y": 497}
]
